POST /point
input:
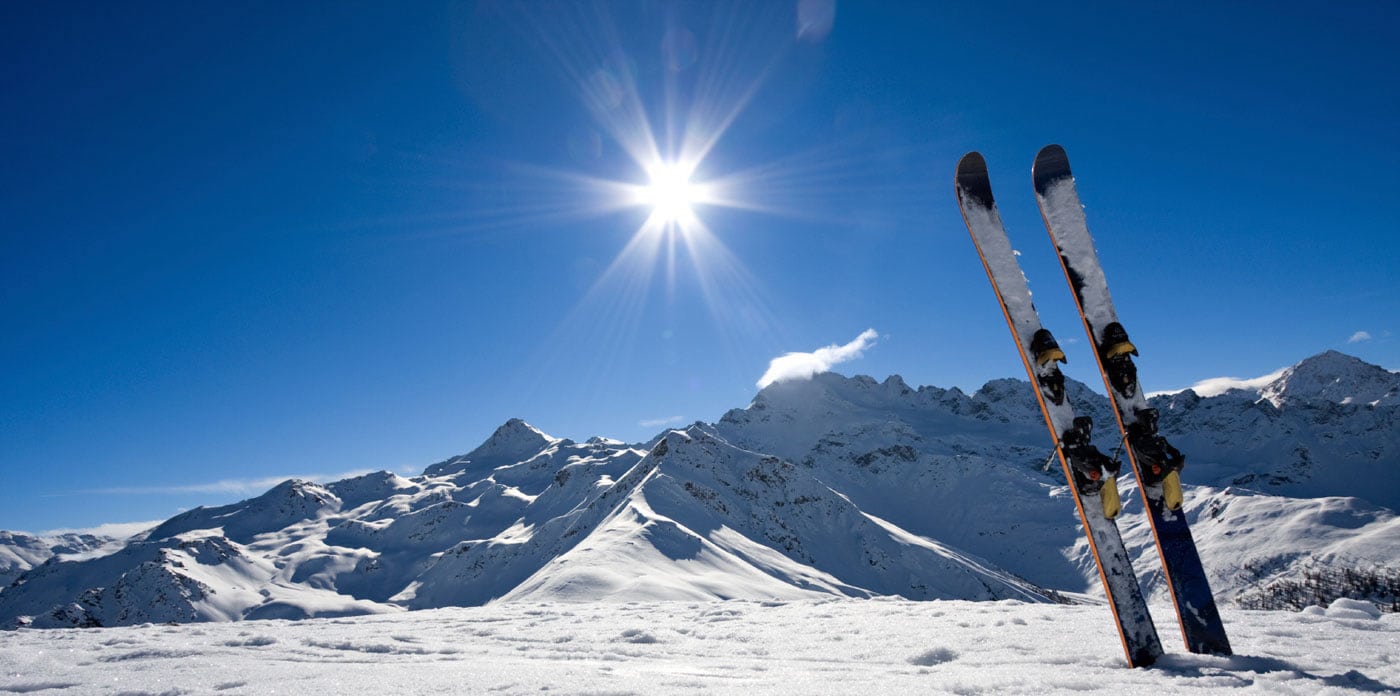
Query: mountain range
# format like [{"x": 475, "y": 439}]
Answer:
[{"x": 834, "y": 485}]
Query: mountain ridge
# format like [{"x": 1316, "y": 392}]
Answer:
[{"x": 835, "y": 485}]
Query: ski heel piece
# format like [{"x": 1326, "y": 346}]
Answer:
[
  {"x": 1171, "y": 490},
  {"x": 1112, "y": 504},
  {"x": 1087, "y": 481},
  {"x": 1092, "y": 468}
]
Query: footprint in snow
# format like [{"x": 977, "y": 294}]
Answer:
[
  {"x": 636, "y": 635},
  {"x": 936, "y": 656}
]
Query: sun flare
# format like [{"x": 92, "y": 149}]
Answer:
[{"x": 670, "y": 193}]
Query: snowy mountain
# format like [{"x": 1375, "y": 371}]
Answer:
[
  {"x": 1336, "y": 378},
  {"x": 1328, "y": 426},
  {"x": 20, "y": 552},
  {"x": 831, "y": 486}
]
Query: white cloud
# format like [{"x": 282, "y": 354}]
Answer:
[
  {"x": 237, "y": 486},
  {"x": 1359, "y": 336},
  {"x": 1216, "y": 386},
  {"x": 658, "y": 422},
  {"x": 804, "y": 365},
  {"x": 118, "y": 530}
]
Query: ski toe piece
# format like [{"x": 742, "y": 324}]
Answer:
[{"x": 1171, "y": 490}]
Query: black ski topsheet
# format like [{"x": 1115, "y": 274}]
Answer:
[
  {"x": 1055, "y": 192},
  {"x": 1140, "y": 643}
]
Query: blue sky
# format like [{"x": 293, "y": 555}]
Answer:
[{"x": 245, "y": 242}]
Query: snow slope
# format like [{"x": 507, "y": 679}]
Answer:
[
  {"x": 20, "y": 552},
  {"x": 821, "y": 646},
  {"x": 831, "y": 486}
]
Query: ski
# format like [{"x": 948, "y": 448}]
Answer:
[
  {"x": 1091, "y": 474},
  {"x": 1155, "y": 463}
]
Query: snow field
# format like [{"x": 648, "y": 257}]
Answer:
[{"x": 839, "y": 646}]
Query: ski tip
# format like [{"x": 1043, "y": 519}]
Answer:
[
  {"x": 972, "y": 180},
  {"x": 1051, "y": 165}
]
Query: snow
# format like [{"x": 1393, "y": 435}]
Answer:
[
  {"x": 1334, "y": 377},
  {"x": 1063, "y": 213},
  {"x": 819, "y": 646},
  {"x": 513, "y": 442},
  {"x": 1296, "y": 435},
  {"x": 1248, "y": 539},
  {"x": 20, "y": 551},
  {"x": 1002, "y": 268}
]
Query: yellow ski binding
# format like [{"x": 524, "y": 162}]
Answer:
[
  {"x": 1171, "y": 490},
  {"x": 1109, "y": 497}
]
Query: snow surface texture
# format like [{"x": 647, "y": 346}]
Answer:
[
  {"x": 883, "y": 646},
  {"x": 833, "y": 486}
]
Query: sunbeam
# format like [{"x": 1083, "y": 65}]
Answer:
[
  {"x": 670, "y": 113},
  {"x": 670, "y": 188}
]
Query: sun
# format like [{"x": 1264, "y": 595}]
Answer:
[{"x": 670, "y": 193}]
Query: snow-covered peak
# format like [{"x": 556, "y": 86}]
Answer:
[
  {"x": 287, "y": 502},
  {"x": 514, "y": 437},
  {"x": 516, "y": 441},
  {"x": 1334, "y": 377},
  {"x": 377, "y": 485},
  {"x": 827, "y": 389}
]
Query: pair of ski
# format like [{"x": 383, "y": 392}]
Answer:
[{"x": 1092, "y": 475}]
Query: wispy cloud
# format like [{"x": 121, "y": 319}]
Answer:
[
  {"x": 233, "y": 486},
  {"x": 117, "y": 530},
  {"x": 1359, "y": 337},
  {"x": 1216, "y": 386},
  {"x": 804, "y": 365},
  {"x": 658, "y": 422}
]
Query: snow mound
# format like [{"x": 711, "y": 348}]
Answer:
[{"x": 1353, "y": 609}]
